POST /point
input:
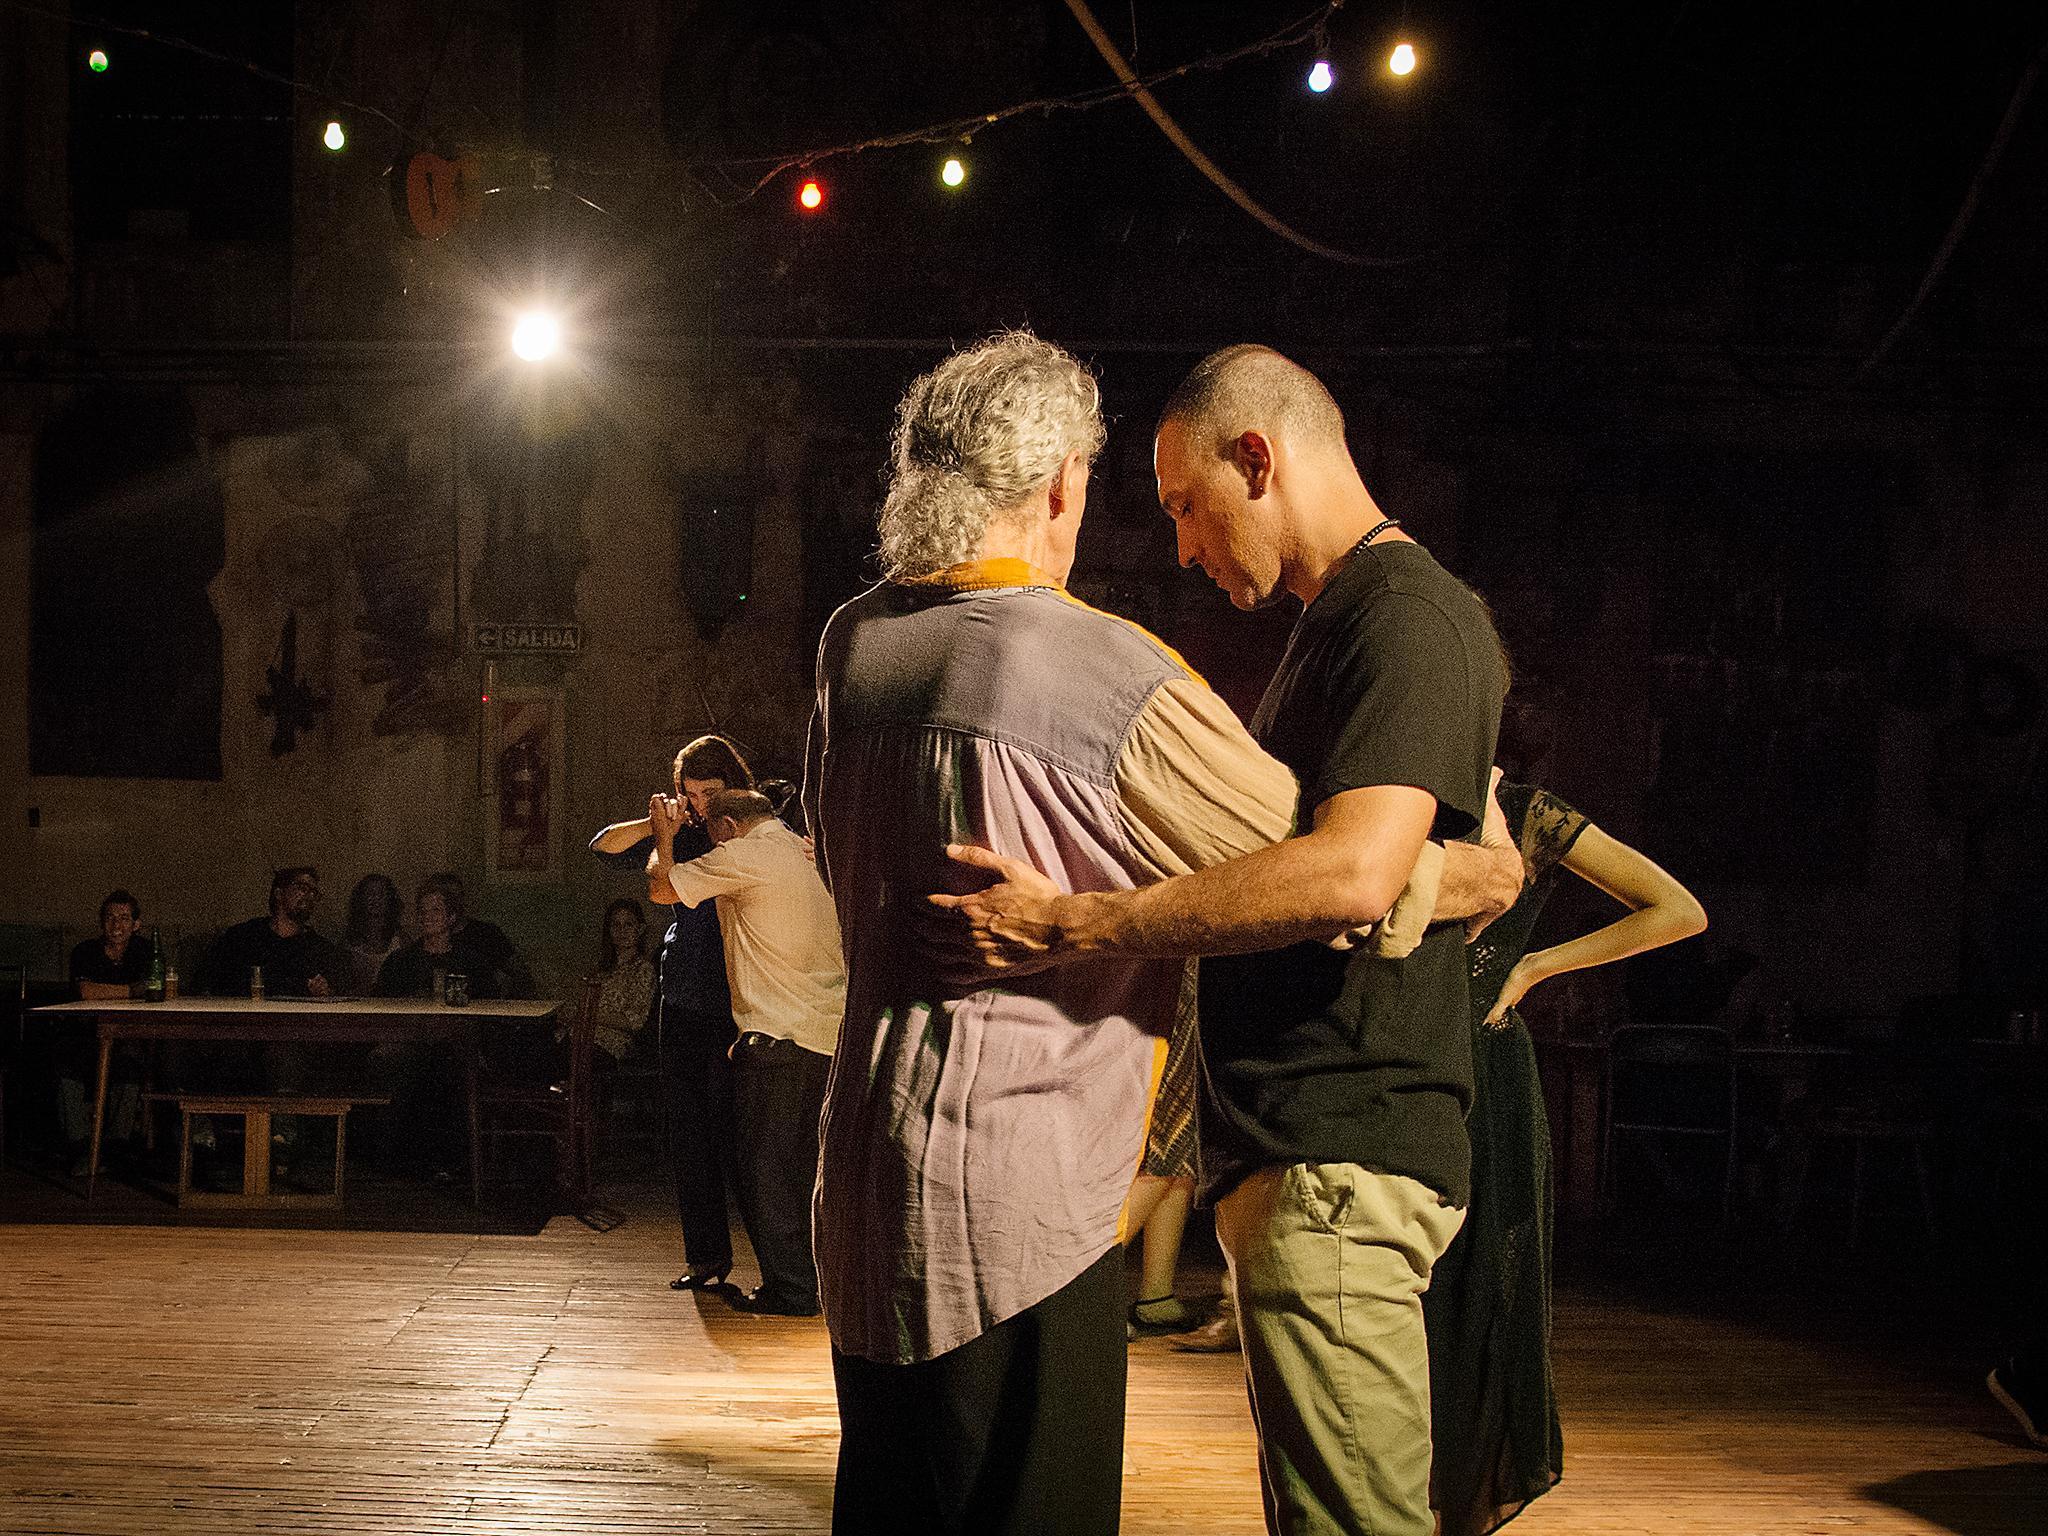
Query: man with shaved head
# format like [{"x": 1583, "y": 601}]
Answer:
[{"x": 1335, "y": 1080}]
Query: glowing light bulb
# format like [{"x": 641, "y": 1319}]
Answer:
[
  {"x": 96, "y": 61},
  {"x": 1321, "y": 77},
  {"x": 953, "y": 172},
  {"x": 1402, "y": 60},
  {"x": 811, "y": 196},
  {"x": 536, "y": 335},
  {"x": 334, "y": 138}
]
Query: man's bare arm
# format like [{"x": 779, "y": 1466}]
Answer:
[{"x": 1345, "y": 873}]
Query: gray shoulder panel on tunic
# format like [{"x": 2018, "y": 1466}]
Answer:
[{"x": 1023, "y": 665}]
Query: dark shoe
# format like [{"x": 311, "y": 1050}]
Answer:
[
  {"x": 2026, "y": 1400},
  {"x": 1162, "y": 1314},
  {"x": 701, "y": 1279},
  {"x": 759, "y": 1303}
]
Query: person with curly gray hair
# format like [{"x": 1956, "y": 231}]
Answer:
[{"x": 975, "y": 439}]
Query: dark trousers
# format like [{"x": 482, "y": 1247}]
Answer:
[
  {"x": 779, "y": 1091},
  {"x": 1019, "y": 1431},
  {"x": 698, "y": 1122}
]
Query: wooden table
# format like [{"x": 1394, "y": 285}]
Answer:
[{"x": 335, "y": 1021}]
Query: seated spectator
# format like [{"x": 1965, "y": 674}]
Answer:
[
  {"x": 114, "y": 965},
  {"x": 452, "y": 944},
  {"x": 295, "y": 961},
  {"x": 625, "y": 997},
  {"x": 487, "y": 940},
  {"x": 374, "y": 910}
]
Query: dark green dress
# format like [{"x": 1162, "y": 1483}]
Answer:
[{"x": 1493, "y": 1410}]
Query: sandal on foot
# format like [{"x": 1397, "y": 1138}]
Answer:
[{"x": 700, "y": 1279}]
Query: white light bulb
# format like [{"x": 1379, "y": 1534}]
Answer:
[
  {"x": 334, "y": 138},
  {"x": 536, "y": 335},
  {"x": 1321, "y": 77},
  {"x": 1402, "y": 60}
]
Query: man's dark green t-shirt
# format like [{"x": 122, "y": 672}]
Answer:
[{"x": 1393, "y": 676}]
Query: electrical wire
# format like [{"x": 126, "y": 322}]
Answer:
[
  {"x": 763, "y": 169},
  {"x": 1177, "y": 136},
  {"x": 1960, "y": 224},
  {"x": 412, "y": 118}
]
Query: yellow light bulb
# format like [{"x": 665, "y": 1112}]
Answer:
[
  {"x": 1402, "y": 60},
  {"x": 953, "y": 172}
]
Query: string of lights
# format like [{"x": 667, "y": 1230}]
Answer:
[
  {"x": 750, "y": 174},
  {"x": 2015, "y": 108},
  {"x": 744, "y": 177},
  {"x": 84, "y": 21},
  {"x": 761, "y": 170}
]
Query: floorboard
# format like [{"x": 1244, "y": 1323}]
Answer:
[{"x": 229, "y": 1380}]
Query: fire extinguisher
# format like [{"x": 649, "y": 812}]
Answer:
[{"x": 522, "y": 805}]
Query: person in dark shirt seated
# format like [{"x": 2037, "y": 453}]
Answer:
[
  {"x": 487, "y": 942},
  {"x": 296, "y": 961},
  {"x": 112, "y": 966},
  {"x": 115, "y": 964},
  {"x": 414, "y": 1131},
  {"x": 453, "y": 943}
]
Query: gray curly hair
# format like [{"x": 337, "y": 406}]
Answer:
[{"x": 974, "y": 439}]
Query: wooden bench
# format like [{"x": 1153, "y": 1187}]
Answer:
[{"x": 256, "y": 1111}]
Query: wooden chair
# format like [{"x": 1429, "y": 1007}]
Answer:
[
  {"x": 560, "y": 1111},
  {"x": 631, "y": 1114},
  {"x": 1670, "y": 1084},
  {"x": 1891, "y": 1103}
]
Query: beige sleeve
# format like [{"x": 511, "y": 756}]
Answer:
[{"x": 1196, "y": 791}]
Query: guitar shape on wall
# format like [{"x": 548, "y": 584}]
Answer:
[
  {"x": 436, "y": 194},
  {"x": 291, "y": 701}
]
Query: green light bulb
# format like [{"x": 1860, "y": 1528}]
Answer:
[{"x": 96, "y": 61}]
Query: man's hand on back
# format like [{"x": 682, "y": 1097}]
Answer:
[{"x": 1011, "y": 927}]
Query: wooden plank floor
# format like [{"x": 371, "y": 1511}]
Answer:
[{"x": 218, "y": 1380}]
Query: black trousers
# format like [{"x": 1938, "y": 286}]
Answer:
[
  {"x": 779, "y": 1092},
  {"x": 698, "y": 1121},
  {"x": 1017, "y": 1433}
]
